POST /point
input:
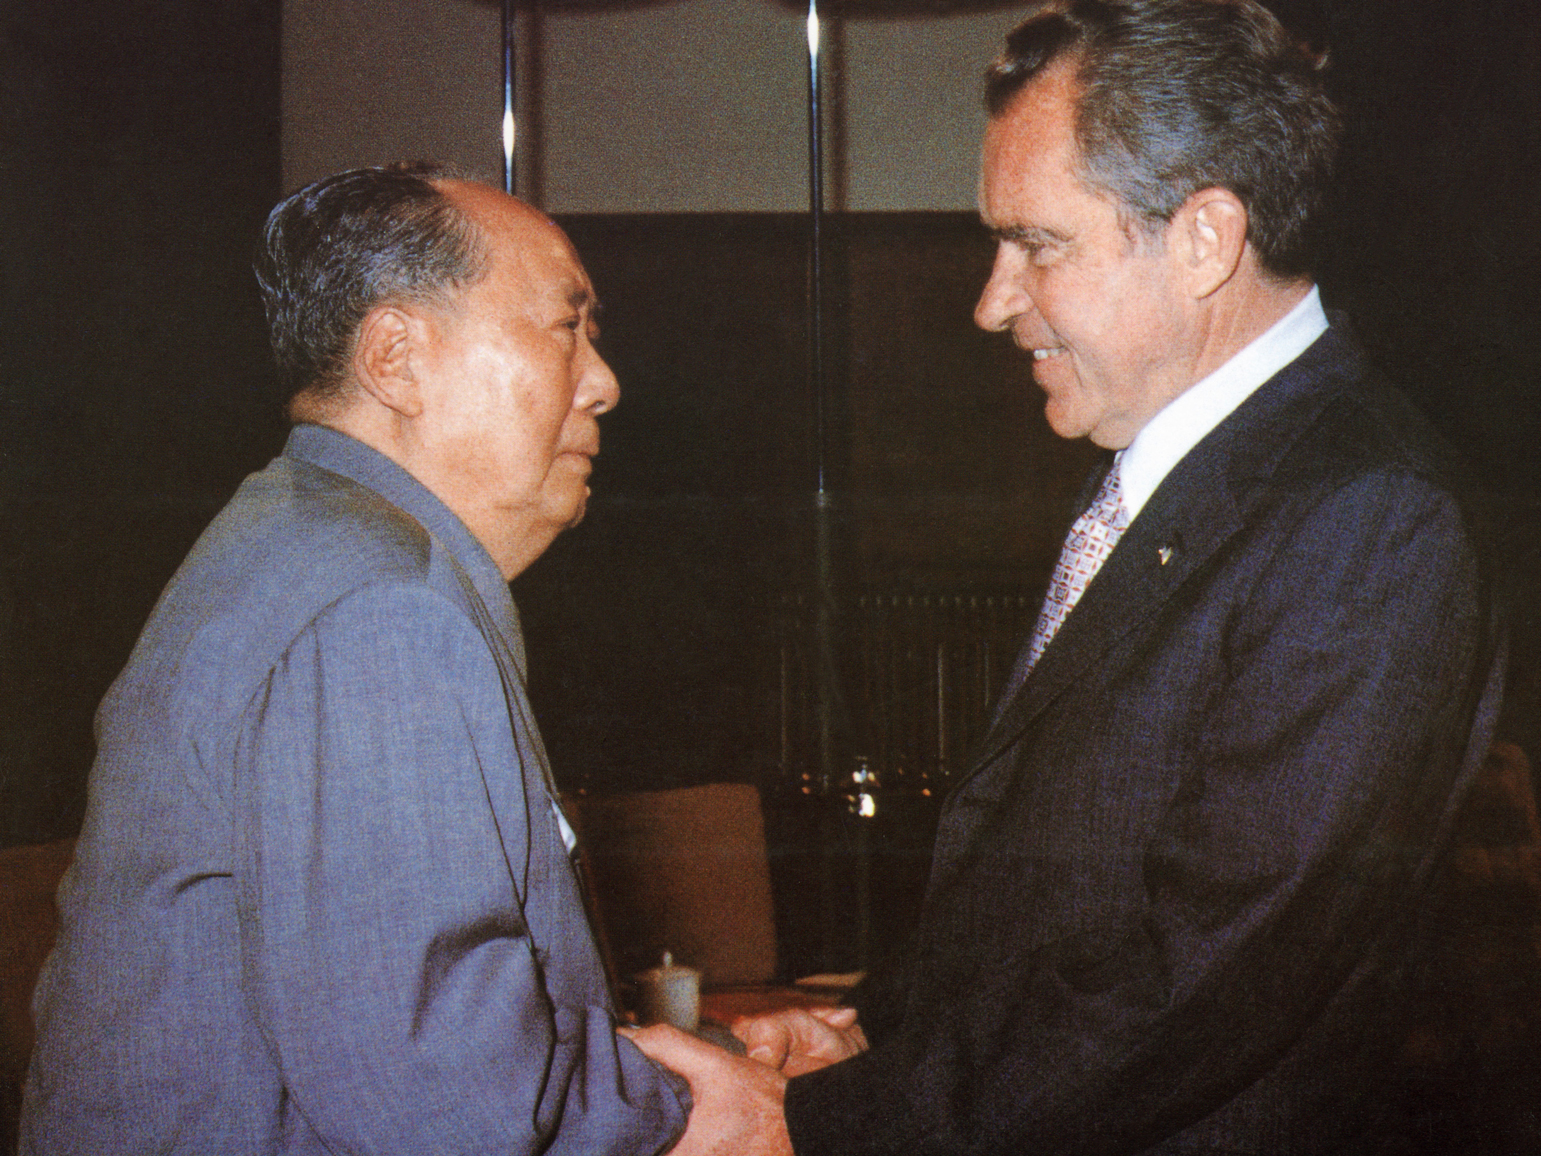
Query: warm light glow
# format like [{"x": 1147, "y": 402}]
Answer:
[
  {"x": 508, "y": 135},
  {"x": 813, "y": 28}
]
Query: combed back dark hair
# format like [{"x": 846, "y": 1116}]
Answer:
[
  {"x": 1182, "y": 95},
  {"x": 340, "y": 246}
]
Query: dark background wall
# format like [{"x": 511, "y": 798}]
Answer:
[
  {"x": 140, "y": 151},
  {"x": 650, "y": 634},
  {"x": 1436, "y": 250}
]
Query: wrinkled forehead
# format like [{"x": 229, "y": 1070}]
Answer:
[
  {"x": 1041, "y": 115},
  {"x": 521, "y": 244},
  {"x": 1034, "y": 136}
]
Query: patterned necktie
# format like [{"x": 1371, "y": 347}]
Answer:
[{"x": 1091, "y": 540}]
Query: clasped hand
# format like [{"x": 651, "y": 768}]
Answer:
[
  {"x": 737, "y": 1100},
  {"x": 796, "y": 1040}
]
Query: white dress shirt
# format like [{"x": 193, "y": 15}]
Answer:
[{"x": 1185, "y": 421}]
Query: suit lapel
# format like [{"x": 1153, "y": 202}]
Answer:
[
  {"x": 1207, "y": 498},
  {"x": 500, "y": 627},
  {"x": 1167, "y": 543}
]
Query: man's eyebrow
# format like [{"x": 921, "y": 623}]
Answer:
[
  {"x": 578, "y": 297},
  {"x": 1033, "y": 234}
]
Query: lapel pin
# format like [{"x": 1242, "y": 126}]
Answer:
[{"x": 1165, "y": 554}]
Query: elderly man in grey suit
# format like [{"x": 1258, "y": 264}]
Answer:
[
  {"x": 323, "y": 899},
  {"x": 1173, "y": 903}
]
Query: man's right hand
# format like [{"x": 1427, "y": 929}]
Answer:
[
  {"x": 795, "y": 1040},
  {"x": 737, "y": 1102}
]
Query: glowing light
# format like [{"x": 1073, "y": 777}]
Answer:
[
  {"x": 813, "y": 28},
  {"x": 508, "y": 134}
]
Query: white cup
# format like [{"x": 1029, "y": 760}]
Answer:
[{"x": 669, "y": 994}]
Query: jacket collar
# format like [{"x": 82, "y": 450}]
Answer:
[
  {"x": 1204, "y": 501},
  {"x": 350, "y": 458}
]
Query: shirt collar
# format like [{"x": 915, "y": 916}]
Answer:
[{"x": 1191, "y": 415}]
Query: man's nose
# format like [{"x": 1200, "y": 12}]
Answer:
[
  {"x": 1002, "y": 298},
  {"x": 598, "y": 390}
]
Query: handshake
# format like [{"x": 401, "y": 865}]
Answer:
[{"x": 737, "y": 1099}]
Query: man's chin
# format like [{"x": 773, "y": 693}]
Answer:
[
  {"x": 580, "y": 507},
  {"x": 1065, "y": 421}
]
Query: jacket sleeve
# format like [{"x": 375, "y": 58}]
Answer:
[
  {"x": 384, "y": 945},
  {"x": 1321, "y": 760}
]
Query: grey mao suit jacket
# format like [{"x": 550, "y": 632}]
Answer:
[
  {"x": 321, "y": 902},
  {"x": 1172, "y": 900}
]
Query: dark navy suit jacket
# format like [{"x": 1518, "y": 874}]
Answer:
[{"x": 1173, "y": 897}]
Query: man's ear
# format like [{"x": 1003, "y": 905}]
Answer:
[
  {"x": 389, "y": 357},
  {"x": 1211, "y": 233}
]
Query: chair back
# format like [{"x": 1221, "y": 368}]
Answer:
[
  {"x": 29, "y": 919},
  {"x": 683, "y": 871}
]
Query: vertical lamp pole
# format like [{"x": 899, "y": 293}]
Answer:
[
  {"x": 509, "y": 80},
  {"x": 827, "y": 681},
  {"x": 823, "y": 501}
]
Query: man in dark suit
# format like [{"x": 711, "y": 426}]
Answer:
[
  {"x": 323, "y": 899},
  {"x": 1174, "y": 900}
]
